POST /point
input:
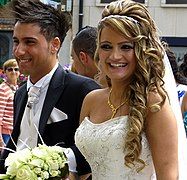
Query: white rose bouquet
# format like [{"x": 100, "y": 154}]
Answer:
[{"x": 39, "y": 163}]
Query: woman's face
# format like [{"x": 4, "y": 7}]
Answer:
[
  {"x": 12, "y": 73},
  {"x": 116, "y": 55}
]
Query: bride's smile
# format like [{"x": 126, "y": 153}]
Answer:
[{"x": 116, "y": 55}]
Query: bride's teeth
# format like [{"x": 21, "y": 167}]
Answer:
[{"x": 118, "y": 65}]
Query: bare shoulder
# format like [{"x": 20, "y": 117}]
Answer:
[
  {"x": 153, "y": 102},
  {"x": 94, "y": 95},
  {"x": 159, "y": 111},
  {"x": 91, "y": 101}
]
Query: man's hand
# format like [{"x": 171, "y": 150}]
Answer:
[{"x": 85, "y": 177}]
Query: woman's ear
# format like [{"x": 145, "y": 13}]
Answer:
[{"x": 55, "y": 45}]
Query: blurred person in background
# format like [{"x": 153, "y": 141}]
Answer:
[
  {"x": 83, "y": 50},
  {"x": 181, "y": 82},
  {"x": 180, "y": 79},
  {"x": 7, "y": 90},
  {"x": 184, "y": 111},
  {"x": 183, "y": 66}
]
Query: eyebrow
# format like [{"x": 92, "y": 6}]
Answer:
[
  {"x": 25, "y": 38},
  {"x": 120, "y": 43},
  {"x": 126, "y": 42}
]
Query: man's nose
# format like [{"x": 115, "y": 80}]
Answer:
[{"x": 19, "y": 50}]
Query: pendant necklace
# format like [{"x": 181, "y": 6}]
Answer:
[{"x": 113, "y": 108}]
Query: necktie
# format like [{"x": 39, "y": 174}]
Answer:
[
  {"x": 33, "y": 96},
  {"x": 29, "y": 136}
]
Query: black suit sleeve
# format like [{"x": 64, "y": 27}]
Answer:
[{"x": 82, "y": 165}]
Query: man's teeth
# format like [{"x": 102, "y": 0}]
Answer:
[
  {"x": 118, "y": 65},
  {"x": 24, "y": 60}
]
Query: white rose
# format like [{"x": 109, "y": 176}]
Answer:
[
  {"x": 54, "y": 173},
  {"x": 45, "y": 175},
  {"x": 25, "y": 173},
  {"x": 39, "y": 153},
  {"x": 23, "y": 156},
  {"x": 13, "y": 168},
  {"x": 53, "y": 165},
  {"x": 55, "y": 155},
  {"x": 58, "y": 149},
  {"x": 37, "y": 170},
  {"x": 37, "y": 162},
  {"x": 46, "y": 167}
]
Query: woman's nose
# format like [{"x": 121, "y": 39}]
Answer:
[{"x": 116, "y": 54}]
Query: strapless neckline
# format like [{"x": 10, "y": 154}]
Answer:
[
  {"x": 107, "y": 121},
  {"x": 103, "y": 146}
]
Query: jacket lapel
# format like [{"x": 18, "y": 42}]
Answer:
[
  {"x": 55, "y": 89},
  {"x": 19, "y": 108}
]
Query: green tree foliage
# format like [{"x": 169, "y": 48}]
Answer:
[{"x": 4, "y": 2}]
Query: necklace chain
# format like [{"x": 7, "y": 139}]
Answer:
[{"x": 113, "y": 108}]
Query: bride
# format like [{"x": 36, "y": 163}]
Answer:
[{"x": 132, "y": 129}]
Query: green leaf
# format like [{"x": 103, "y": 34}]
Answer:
[{"x": 4, "y": 176}]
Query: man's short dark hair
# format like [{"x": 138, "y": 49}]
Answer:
[
  {"x": 85, "y": 40},
  {"x": 183, "y": 66},
  {"x": 53, "y": 22},
  {"x": 179, "y": 77}
]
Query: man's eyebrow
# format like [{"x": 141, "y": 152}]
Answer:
[{"x": 25, "y": 38}]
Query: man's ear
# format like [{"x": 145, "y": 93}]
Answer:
[
  {"x": 83, "y": 57},
  {"x": 55, "y": 45}
]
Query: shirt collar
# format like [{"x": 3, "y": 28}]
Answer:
[{"x": 42, "y": 81}]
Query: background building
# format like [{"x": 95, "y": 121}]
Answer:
[
  {"x": 6, "y": 27},
  {"x": 169, "y": 15}
]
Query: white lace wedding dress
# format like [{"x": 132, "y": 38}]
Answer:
[{"x": 103, "y": 147}]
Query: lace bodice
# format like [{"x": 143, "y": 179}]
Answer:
[{"x": 103, "y": 147}]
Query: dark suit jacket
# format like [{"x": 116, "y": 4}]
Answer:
[{"x": 66, "y": 92}]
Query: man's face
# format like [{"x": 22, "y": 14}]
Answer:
[{"x": 32, "y": 51}]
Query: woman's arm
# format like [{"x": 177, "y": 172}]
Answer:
[
  {"x": 161, "y": 131},
  {"x": 87, "y": 104}
]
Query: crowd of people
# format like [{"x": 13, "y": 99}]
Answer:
[{"x": 116, "y": 112}]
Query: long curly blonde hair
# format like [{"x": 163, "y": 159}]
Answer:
[{"x": 133, "y": 21}]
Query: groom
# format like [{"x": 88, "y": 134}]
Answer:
[{"x": 38, "y": 35}]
